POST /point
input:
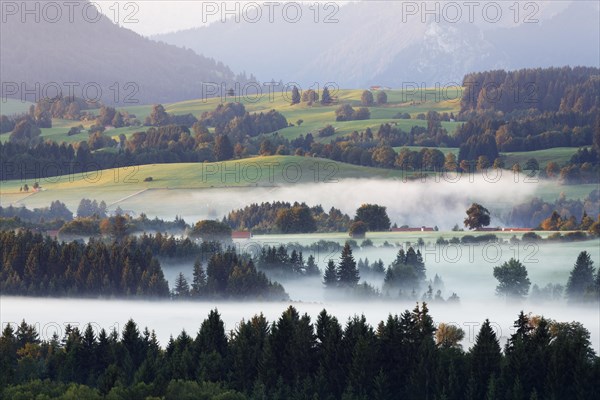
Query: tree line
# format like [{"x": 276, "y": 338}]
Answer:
[
  {"x": 562, "y": 112},
  {"x": 287, "y": 217},
  {"x": 36, "y": 265},
  {"x": 277, "y": 261},
  {"x": 544, "y": 89},
  {"x": 530, "y": 109},
  {"x": 532, "y": 213},
  {"x": 405, "y": 356}
]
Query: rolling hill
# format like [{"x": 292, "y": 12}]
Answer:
[{"x": 101, "y": 54}]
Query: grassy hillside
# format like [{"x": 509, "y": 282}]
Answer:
[
  {"x": 444, "y": 150},
  {"x": 560, "y": 155},
  {"x": 317, "y": 116},
  {"x": 116, "y": 184},
  {"x": 190, "y": 184}
]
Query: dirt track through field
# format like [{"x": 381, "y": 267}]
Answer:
[{"x": 127, "y": 197}]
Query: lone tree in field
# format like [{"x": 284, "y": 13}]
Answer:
[
  {"x": 375, "y": 216},
  {"x": 295, "y": 96},
  {"x": 581, "y": 279},
  {"x": 512, "y": 278},
  {"x": 347, "y": 271},
  {"x": 477, "y": 216},
  {"x": 381, "y": 97},
  {"x": 366, "y": 98}
]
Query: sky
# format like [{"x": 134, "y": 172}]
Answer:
[{"x": 151, "y": 17}]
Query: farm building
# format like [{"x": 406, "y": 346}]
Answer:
[
  {"x": 421, "y": 229},
  {"x": 241, "y": 234}
]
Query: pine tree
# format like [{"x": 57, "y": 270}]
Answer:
[
  {"x": 581, "y": 277},
  {"x": 295, "y": 95},
  {"x": 485, "y": 359},
  {"x": 348, "y": 274},
  {"x": 311, "y": 266},
  {"x": 330, "y": 278},
  {"x": 182, "y": 288},
  {"x": 8, "y": 361},
  {"x": 211, "y": 347},
  {"x": 378, "y": 267},
  {"x": 198, "y": 280}
]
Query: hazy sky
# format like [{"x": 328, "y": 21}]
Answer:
[{"x": 149, "y": 17}]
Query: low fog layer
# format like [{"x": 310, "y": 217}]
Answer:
[
  {"x": 469, "y": 276},
  {"x": 466, "y": 270},
  {"x": 167, "y": 318},
  {"x": 442, "y": 202}
]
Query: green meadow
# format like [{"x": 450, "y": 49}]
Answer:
[
  {"x": 560, "y": 155},
  {"x": 175, "y": 183},
  {"x": 113, "y": 185}
]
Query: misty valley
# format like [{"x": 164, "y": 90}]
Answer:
[{"x": 300, "y": 200}]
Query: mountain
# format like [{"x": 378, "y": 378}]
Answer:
[
  {"x": 100, "y": 53},
  {"x": 375, "y": 43}
]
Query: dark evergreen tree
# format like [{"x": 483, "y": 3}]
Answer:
[
  {"x": 330, "y": 278},
  {"x": 347, "y": 271},
  {"x": 581, "y": 278},
  {"x": 485, "y": 359},
  {"x": 211, "y": 348},
  {"x": 199, "y": 280},
  {"x": 311, "y": 267},
  {"x": 182, "y": 288},
  {"x": 326, "y": 96}
]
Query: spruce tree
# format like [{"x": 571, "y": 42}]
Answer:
[
  {"x": 348, "y": 274},
  {"x": 182, "y": 288},
  {"x": 581, "y": 277},
  {"x": 326, "y": 97},
  {"x": 485, "y": 359},
  {"x": 311, "y": 266},
  {"x": 198, "y": 280},
  {"x": 330, "y": 278}
]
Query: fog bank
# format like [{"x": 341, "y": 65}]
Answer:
[{"x": 169, "y": 318}]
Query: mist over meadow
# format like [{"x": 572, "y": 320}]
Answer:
[{"x": 439, "y": 201}]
